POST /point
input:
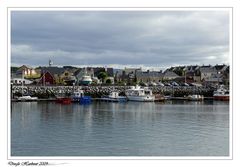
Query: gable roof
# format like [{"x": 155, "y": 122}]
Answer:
[
  {"x": 77, "y": 71},
  {"x": 53, "y": 70},
  {"x": 149, "y": 74},
  {"x": 207, "y": 69},
  {"x": 170, "y": 74},
  {"x": 219, "y": 67}
]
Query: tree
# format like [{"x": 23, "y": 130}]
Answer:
[
  {"x": 14, "y": 69},
  {"x": 108, "y": 81},
  {"x": 102, "y": 76},
  {"x": 179, "y": 71}
]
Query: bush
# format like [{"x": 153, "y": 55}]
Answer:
[{"x": 108, "y": 81}]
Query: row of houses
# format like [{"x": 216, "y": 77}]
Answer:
[
  {"x": 53, "y": 75},
  {"x": 68, "y": 75},
  {"x": 207, "y": 75}
]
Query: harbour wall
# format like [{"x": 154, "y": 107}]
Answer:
[{"x": 98, "y": 91}]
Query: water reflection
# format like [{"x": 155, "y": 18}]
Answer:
[{"x": 160, "y": 129}]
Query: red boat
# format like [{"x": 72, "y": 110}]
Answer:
[
  {"x": 221, "y": 94},
  {"x": 64, "y": 100}
]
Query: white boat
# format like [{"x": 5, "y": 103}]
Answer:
[
  {"x": 140, "y": 94},
  {"x": 86, "y": 79},
  {"x": 114, "y": 97},
  {"x": 27, "y": 98},
  {"x": 195, "y": 97},
  {"x": 221, "y": 94}
]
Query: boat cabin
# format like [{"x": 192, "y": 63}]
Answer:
[
  {"x": 137, "y": 91},
  {"x": 78, "y": 93}
]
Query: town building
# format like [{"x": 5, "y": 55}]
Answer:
[
  {"x": 149, "y": 76},
  {"x": 55, "y": 72},
  {"x": 26, "y": 72},
  {"x": 170, "y": 75}
]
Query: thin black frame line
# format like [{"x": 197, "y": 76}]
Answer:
[{"x": 231, "y": 100}]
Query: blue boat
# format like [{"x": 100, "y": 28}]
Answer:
[
  {"x": 80, "y": 98},
  {"x": 85, "y": 100}
]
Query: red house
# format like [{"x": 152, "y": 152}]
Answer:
[{"x": 47, "y": 79}]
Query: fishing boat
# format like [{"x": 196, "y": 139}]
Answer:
[
  {"x": 78, "y": 96},
  {"x": 221, "y": 94},
  {"x": 114, "y": 97},
  {"x": 27, "y": 98},
  {"x": 86, "y": 79},
  {"x": 195, "y": 97},
  {"x": 64, "y": 100},
  {"x": 140, "y": 94}
]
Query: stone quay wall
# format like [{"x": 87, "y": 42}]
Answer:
[{"x": 98, "y": 91}]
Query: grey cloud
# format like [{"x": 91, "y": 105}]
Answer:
[{"x": 120, "y": 37}]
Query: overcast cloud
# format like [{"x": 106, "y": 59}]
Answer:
[{"x": 120, "y": 38}]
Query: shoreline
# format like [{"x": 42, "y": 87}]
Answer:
[{"x": 99, "y": 99}]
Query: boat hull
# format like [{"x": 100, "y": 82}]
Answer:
[
  {"x": 110, "y": 99},
  {"x": 141, "y": 98},
  {"x": 64, "y": 100},
  {"x": 222, "y": 98},
  {"x": 195, "y": 97},
  {"x": 85, "y": 82},
  {"x": 85, "y": 100},
  {"x": 27, "y": 98}
]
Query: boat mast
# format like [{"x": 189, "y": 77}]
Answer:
[
  {"x": 44, "y": 79},
  {"x": 23, "y": 71}
]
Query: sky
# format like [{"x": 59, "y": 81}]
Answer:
[{"x": 147, "y": 39}]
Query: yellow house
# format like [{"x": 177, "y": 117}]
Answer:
[
  {"x": 66, "y": 77},
  {"x": 29, "y": 72}
]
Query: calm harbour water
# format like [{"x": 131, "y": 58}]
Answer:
[{"x": 120, "y": 129}]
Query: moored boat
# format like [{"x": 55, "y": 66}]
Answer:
[
  {"x": 64, "y": 100},
  {"x": 27, "y": 98},
  {"x": 114, "y": 97},
  {"x": 221, "y": 94},
  {"x": 86, "y": 80},
  {"x": 195, "y": 97},
  {"x": 78, "y": 96},
  {"x": 140, "y": 94}
]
